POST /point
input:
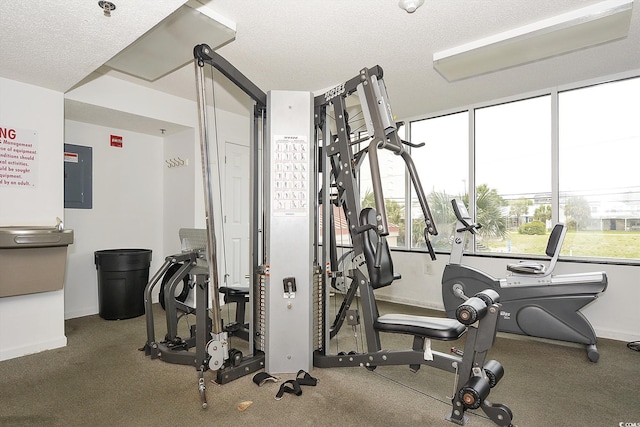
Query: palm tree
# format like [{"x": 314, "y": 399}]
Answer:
[
  {"x": 443, "y": 216},
  {"x": 542, "y": 213},
  {"x": 489, "y": 212}
]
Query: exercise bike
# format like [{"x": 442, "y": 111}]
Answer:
[{"x": 535, "y": 302}]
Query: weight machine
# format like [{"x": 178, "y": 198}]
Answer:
[
  {"x": 535, "y": 301},
  {"x": 288, "y": 328},
  {"x": 372, "y": 265},
  {"x": 283, "y": 278}
]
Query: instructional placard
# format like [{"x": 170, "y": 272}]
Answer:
[
  {"x": 291, "y": 177},
  {"x": 18, "y": 157}
]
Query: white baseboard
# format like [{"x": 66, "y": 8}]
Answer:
[
  {"x": 12, "y": 353},
  {"x": 85, "y": 311},
  {"x": 617, "y": 335}
]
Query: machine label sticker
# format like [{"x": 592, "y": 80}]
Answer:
[
  {"x": 18, "y": 157},
  {"x": 290, "y": 176},
  {"x": 332, "y": 93}
]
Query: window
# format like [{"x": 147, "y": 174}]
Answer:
[
  {"x": 513, "y": 176},
  {"x": 599, "y": 187},
  {"x": 512, "y": 152},
  {"x": 443, "y": 169}
]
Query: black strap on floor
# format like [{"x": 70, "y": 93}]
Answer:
[
  {"x": 290, "y": 386},
  {"x": 306, "y": 379},
  {"x": 262, "y": 377}
]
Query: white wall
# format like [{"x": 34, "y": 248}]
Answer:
[
  {"x": 127, "y": 208},
  {"x": 110, "y": 92},
  {"x": 33, "y": 323},
  {"x": 613, "y": 315},
  {"x": 178, "y": 187}
]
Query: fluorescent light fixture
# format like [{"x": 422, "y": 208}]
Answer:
[
  {"x": 169, "y": 45},
  {"x": 589, "y": 26}
]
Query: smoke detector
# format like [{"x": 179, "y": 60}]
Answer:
[
  {"x": 106, "y": 7},
  {"x": 410, "y": 5}
]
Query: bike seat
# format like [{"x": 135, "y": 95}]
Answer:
[
  {"x": 553, "y": 251},
  {"x": 526, "y": 267}
]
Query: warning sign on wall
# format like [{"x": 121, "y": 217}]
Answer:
[
  {"x": 70, "y": 157},
  {"x": 18, "y": 157},
  {"x": 116, "y": 141}
]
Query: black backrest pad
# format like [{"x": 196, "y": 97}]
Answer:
[
  {"x": 382, "y": 276},
  {"x": 554, "y": 238}
]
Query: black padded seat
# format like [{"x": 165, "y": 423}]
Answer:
[
  {"x": 234, "y": 291},
  {"x": 426, "y": 327}
]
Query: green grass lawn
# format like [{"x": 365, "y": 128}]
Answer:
[{"x": 599, "y": 244}]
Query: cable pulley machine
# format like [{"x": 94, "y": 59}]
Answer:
[{"x": 283, "y": 276}]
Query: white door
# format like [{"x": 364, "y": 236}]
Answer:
[{"x": 237, "y": 213}]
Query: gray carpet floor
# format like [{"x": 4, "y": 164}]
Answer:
[{"x": 101, "y": 379}]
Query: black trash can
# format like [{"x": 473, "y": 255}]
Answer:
[{"x": 122, "y": 276}]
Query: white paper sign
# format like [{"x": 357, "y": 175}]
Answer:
[{"x": 18, "y": 157}]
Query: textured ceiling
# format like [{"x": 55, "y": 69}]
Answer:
[
  {"x": 309, "y": 45},
  {"x": 291, "y": 44},
  {"x": 57, "y": 43}
]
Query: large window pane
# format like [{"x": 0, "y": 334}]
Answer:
[
  {"x": 513, "y": 176},
  {"x": 599, "y": 148},
  {"x": 443, "y": 169}
]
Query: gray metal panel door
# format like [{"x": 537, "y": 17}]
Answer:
[{"x": 78, "y": 177}]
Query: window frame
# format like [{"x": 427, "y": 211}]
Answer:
[{"x": 553, "y": 94}]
